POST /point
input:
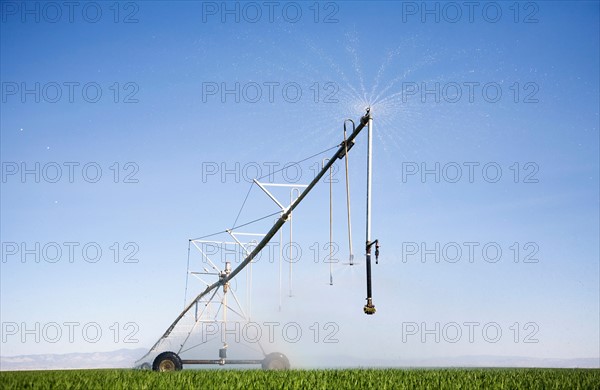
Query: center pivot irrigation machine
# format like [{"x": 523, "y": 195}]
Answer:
[{"x": 212, "y": 302}]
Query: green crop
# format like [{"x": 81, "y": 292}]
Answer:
[{"x": 490, "y": 378}]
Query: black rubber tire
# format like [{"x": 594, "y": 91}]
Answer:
[
  {"x": 275, "y": 361},
  {"x": 167, "y": 361}
]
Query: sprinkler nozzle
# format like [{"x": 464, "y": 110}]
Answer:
[{"x": 365, "y": 119}]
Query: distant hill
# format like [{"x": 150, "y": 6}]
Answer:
[
  {"x": 122, "y": 358},
  {"x": 458, "y": 361}
]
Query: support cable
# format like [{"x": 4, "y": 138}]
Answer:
[
  {"x": 250, "y": 189},
  {"x": 243, "y": 204},
  {"x": 298, "y": 162},
  {"x": 236, "y": 227}
]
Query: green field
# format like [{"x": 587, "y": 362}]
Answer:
[{"x": 492, "y": 378}]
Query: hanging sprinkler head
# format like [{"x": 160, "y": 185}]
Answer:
[{"x": 367, "y": 120}]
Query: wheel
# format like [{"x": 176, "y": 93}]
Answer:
[
  {"x": 275, "y": 361},
  {"x": 167, "y": 361},
  {"x": 145, "y": 366}
]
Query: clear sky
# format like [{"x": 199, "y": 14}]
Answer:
[{"x": 139, "y": 123}]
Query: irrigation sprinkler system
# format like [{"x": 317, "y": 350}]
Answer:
[{"x": 213, "y": 305}]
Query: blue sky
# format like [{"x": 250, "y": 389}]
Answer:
[{"x": 169, "y": 128}]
